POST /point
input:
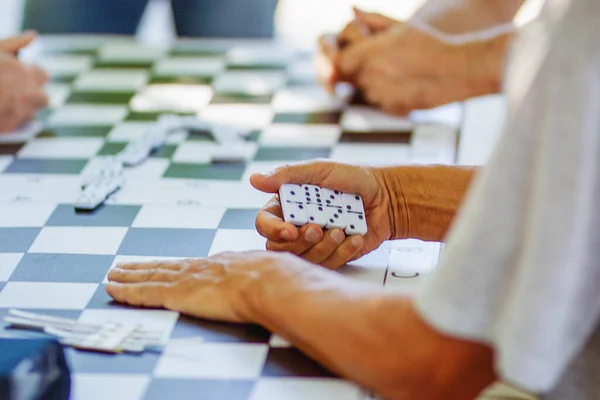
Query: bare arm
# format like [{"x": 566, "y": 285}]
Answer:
[
  {"x": 372, "y": 337},
  {"x": 463, "y": 16},
  {"x": 428, "y": 199}
]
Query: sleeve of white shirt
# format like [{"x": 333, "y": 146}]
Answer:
[{"x": 521, "y": 269}]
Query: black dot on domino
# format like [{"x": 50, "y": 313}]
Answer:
[
  {"x": 308, "y": 199},
  {"x": 335, "y": 216},
  {"x": 320, "y": 208},
  {"x": 356, "y": 198},
  {"x": 360, "y": 217},
  {"x": 306, "y": 188},
  {"x": 312, "y": 218},
  {"x": 307, "y": 193},
  {"x": 336, "y": 192},
  {"x": 318, "y": 195},
  {"x": 317, "y": 190},
  {"x": 327, "y": 201},
  {"x": 293, "y": 193},
  {"x": 300, "y": 206},
  {"x": 292, "y": 215},
  {"x": 332, "y": 197},
  {"x": 331, "y": 220},
  {"x": 318, "y": 200},
  {"x": 351, "y": 226},
  {"x": 349, "y": 208}
]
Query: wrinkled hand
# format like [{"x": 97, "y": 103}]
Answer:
[
  {"x": 364, "y": 25},
  {"x": 214, "y": 288},
  {"x": 405, "y": 69},
  {"x": 21, "y": 86},
  {"x": 330, "y": 248}
]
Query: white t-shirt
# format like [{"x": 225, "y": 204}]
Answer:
[{"x": 521, "y": 269}]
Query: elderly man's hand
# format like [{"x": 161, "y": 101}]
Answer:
[
  {"x": 405, "y": 69},
  {"x": 214, "y": 288},
  {"x": 331, "y": 248},
  {"x": 21, "y": 86},
  {"x": 364, "y": 25}
]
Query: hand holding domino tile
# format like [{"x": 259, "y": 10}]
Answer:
[{"x": 325, "y": 212}]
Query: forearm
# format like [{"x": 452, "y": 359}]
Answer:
[
  {"x": 425, "y": 199},
  {"x": 373, "y": 338},
  {"x": 464, "y": 16}
]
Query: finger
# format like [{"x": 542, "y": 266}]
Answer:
[
  {"x": 308, "y": 236},
  {"x": 354, "y": 32},
  {"x": 142, "y": 275},
  {"x": 270, "y": 224},
  {"x": 374, "y": 21},
  {"x": 147, "y": 294},
  {"x": 321, "y": 251},
  {"x": 312, "y": 172},
  {"x": 345, "y": 252},
  {"x": 38, "y": 98},
  {"x": 166, "y": 265},
  {"x": 353, "y": 58},
  {"x": 14, "y": 44},
  {"x": 40, "y": 76}
]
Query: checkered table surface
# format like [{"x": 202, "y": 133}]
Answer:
[{"x": 105, "y": 92}]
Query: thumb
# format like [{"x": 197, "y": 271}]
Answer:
[
  {"x": 374, "y": 21},
  {"x": 313, "y": 172},
  {"x": 14, "y": 44},
  {"x": 324, "y": 173}
]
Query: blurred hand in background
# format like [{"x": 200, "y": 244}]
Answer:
[{"x": 21, "y": 86}]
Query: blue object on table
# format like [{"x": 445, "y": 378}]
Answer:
[{"x": 33, "y": 369}]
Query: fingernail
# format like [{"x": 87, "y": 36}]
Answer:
[
  {"x": 312, "y": 234},
  {"x": 356, "y": 241},
  {"x": 285, "y": 235},
  {"x": 338, "y": 236}
]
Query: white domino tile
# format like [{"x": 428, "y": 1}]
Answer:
[
  {"x": 67, "y": 296},
  {"x": 79, "y": 240},
  {"x": 236, "y": 240},
  {"x": 189, "y": 66},
  {"x": 300, "y": 135},
  {"x": 305, "y": 388},
  {"x": 87, "y": 115},
  {"x": 62, "y": 148},
  {"x": 107, "y": 386},
  {"x": 154, "y": 320},
  {"x": 25, "y": 214},
  {"x": 111, "y": 80},
  {"x": 190, "y": 217},
  {"x": 171, "y": 97},
  {"x": 212, "y": 361},
  {"x": 8, "y": 263}
]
